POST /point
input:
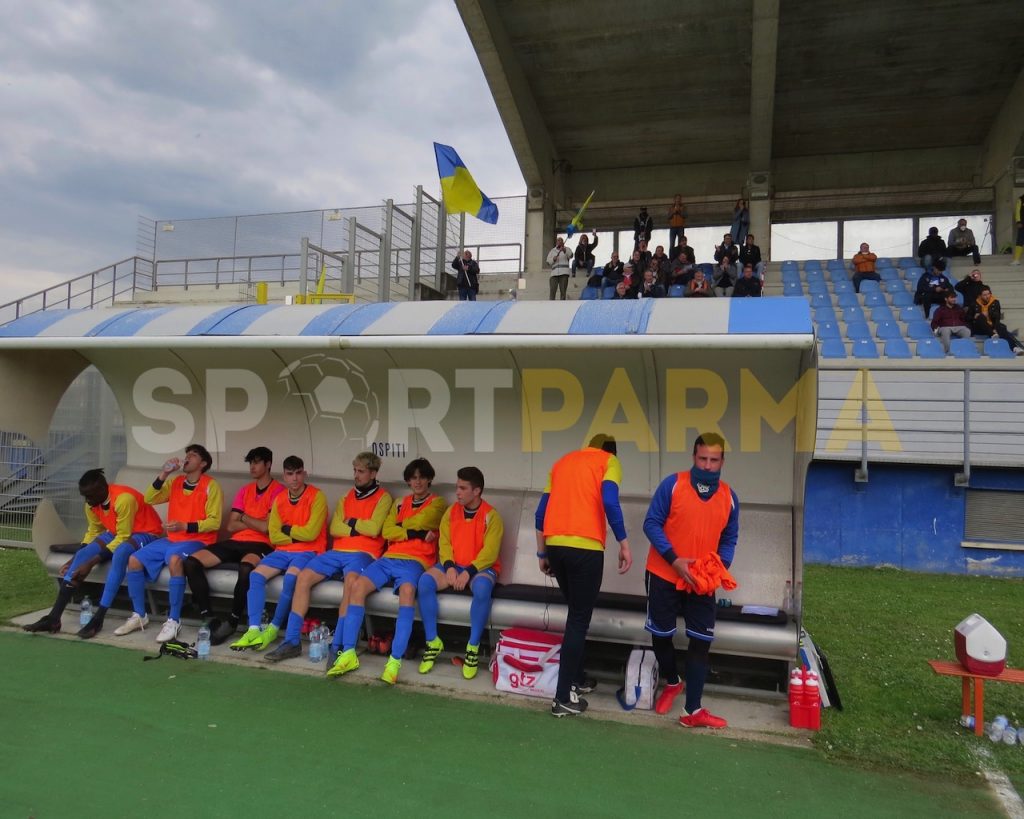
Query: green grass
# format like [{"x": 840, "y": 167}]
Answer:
[
  {"x": 878, "y": 628},
  {"x": 24, "y": 585}
]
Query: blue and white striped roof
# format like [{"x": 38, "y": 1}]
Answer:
[{"x": 675, "y": 317}]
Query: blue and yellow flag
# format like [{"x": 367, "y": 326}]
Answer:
[
  {"x": 577, "y": 221},
  {"x": 459, "y": 191}
]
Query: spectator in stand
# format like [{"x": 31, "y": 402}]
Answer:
[
  {"x": 740, "y": 221},
  {"x": 724, "y": 277},
  {"x": 699, "y": 286},
  {"x": 970, "y": 286},
  {"x": 467, "y": 276},
  {"x": 645, "y": 256},
  {"x": 628, "y": 276},
  {"x": 864, "y": 266},
  {"x": 950, "y": 321},
  {"x": 728, "y": 249},
  {"x": 1018, "y": 244},
  {"x": 621, "y": 291},
  {"x": 961, "y": 242},
  {"x": 650, "y": 288},
  {"x": 684, "y": 248},
  {"x": 681, "y": 270},
  {"x": 584, "y": 255},
  {"x": 676, "y": 219},
  {"x": 636, "y": 261},
  {"x": 748, "y": 285},
  {"x": 662, "y": 261},
  {"x": 613, "y": 272},
  {"x": 932, "y": 287},
  {"x": 986, "y": 317},
  {"x": 643, "y": 226},
  {"x": 558, "y": 260},
  {"x": 751, "y": 254},
  {"x": 931, "y": 249}
]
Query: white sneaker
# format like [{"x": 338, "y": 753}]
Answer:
[
  {"x": 169, "y": 631},
  {"x": 133, "y": 623}
]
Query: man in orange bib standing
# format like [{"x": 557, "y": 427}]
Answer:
[
  {"x": 580, "y": 502},
  {"x": 692, "y": 515}
]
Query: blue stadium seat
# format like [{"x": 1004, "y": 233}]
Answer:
[
  {"x": 835, "y": 264},
  {"x": 909, "y": 313},
  {"x": 886, "y": 330},
  {"x": 590, "y": 294},
  {"x": 829, "y": 329},
  {"x": 964, "y": 348},
  {"x": 897, "y": 348},
  {"x": 843, "y": 286},
  {"x": 814, "y": 276},
  {"x": 931, "y": 311},
  {"x": 789, "y": 264},
  {"x": 882, "y": 313},
  {"x": 906, "y": 262},
  {"x": 791, "y": 289},
  {"x": 858, "y": 330},
  {"x": 998, "y": 348},
  {"x": 853, "y": 314},
  {"x": 889, "y": 274},
  {"x": 864, "y": 348},
  {"x": 820, "y": 300},
  {"x": 847, "y": 299},
  {"x": 873, "y": 299},
  {"x": 910, "y": 277},
  {"x": 959, "y": 298},
  {"x": 824, "y": 314},
  {"x": 812, "y": 264},
  {"x": 902, "y": 299},
  {"x": 790, "y": 276},
  {"x": 838, "y": 275},
  {"x": 834, "y": 348},
  {"x": 919, "y": 329},
  {"x": 817, "y": 287},
  {"x": 930, "y": 348},
  {"x": 869, "y": 286},
  {"x": 608, "y": 292},
  {"x": 676, "y": 291},
  {"x": 893, "y": 286},
  {"x": 883, "y": 262},
  {"x": 708, "y": 268}
]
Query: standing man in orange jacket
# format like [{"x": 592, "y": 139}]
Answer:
[
  {"x": 691, "y": 515},
  {"x": 581, "y": 500}
]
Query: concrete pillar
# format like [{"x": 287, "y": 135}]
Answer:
[
  {"x": 761, "y": 225},
  {"x": 1005, "y": 198},
  {"x": 540, "y": 238}
]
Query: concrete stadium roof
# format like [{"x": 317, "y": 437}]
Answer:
[{"x": 831, "y": 108}]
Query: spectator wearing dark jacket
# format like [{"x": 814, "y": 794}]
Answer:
[
  {"x": 467, "y": 276},
  {"x": 932, "y": 288},
  {"x": 751, "y": 254},
  {"x": 584, "y": 255},
  {"x": 643, "y": 226},
  {"x": 931, "y": 249},
  {"x": 961, "y": 242},
  {"x": 683, "y": 247},
  {"x": 613, "y": 271},
  {"x": 649, "y": 288},
  {"x": 748, "y": 285},
  {"x": 970, "y": 286},
  {"x": 986, "y": 317}
]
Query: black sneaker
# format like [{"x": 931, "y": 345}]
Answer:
[
  {"x": 285, "y": 651},
  {"x": 573, "y": 708},
  {"x": 91, "y": 629},
  {"x": 51, "y": 625},
  {"x": 221, "y": 631},
  {"x": 588, "y": 685}
]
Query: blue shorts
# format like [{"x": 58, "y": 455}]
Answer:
[
  {"x": 399, "y": 569},
  {"x": 335, "y": 565},
  {"x": 665, "y": 603},
  {"x": 154, "y": 556},
  {"x": 489, "y": 573},
  {"x": 283, "y": 561}
]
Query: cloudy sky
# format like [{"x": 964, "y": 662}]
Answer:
[{"x": 111, "y": 109}]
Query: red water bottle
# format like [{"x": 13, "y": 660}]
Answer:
[
  {"x": 796, "y": 698},
  {"x": 812, "y": 704}
]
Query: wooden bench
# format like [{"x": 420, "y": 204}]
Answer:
[{"x": 948, "y": 669}]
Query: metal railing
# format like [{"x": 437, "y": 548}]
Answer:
[{"x": 96, "y": 289}]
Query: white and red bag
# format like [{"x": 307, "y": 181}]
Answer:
[{"x": 525, "y": 661}]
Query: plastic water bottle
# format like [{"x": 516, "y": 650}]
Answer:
[
  {"x": 85, "y": 613},
  {"x": 328, "y": 635},
  {"x": 1010, "y": 735},
  {"x": 316, "y": 645},
  {"x": 1020, "y": 735},
  {"x": 967, "y": 721},
  {"x": 203, "y": 641},
  {"x": 996, "y": 728}
]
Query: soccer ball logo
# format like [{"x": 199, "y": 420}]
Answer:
[{"x": 338, "y": 396}]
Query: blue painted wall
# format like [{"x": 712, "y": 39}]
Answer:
[{"x": 909, "y": 517}]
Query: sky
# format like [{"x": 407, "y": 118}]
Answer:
[{"x": 186, "y": 109}]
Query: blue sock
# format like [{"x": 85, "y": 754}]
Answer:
[
  {"x": 115, "y": 576},
  {"x": 479, "y": 609},
  {"x": 284, "y": 603},
  {"x": 350, "y": 627},
  {"x": 426, "y": 594},
  {"x": 176, "y": 595},
  {"x": 137, "y": 591},
  {"x": 256, "y": 598},
  {"x": 696, "y": 673},
  {"x": 403, "y": 630},
  {"x": 339, "y": 635},
  {"x": 294, "y": 633}
]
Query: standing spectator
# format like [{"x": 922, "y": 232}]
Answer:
[
  {"x": 931, "y": 249},
  {"x": 949, "y": 321},
  {"x": 699, "y": 286},
  {"x": 613, "y": 272},
  {"x": 1018, "y": 216},
  {"x": 650, "y": 288},
  {"x": 724, "y": 277},
  {"x": 643, "y": 226},
  {"x": 986, "y": 317},
  {"x": 751, "y": 254},
  {"x": 932, "y": 287},
  {"x": 748, "y": 284},
  {"x": 684, "y": 248},
  {"x": 580, "y": 502},
  {"x": 676, "y": 219},
  {"x": 467, "y": 276},
  {"x": 728, "y": 249},
  {"x": 584, "y": 255},
  {"x": 970, "y": 286},
  {"x": 864, "y": 266},
  {"x": 740, "y": 221},
  {"x": 961, "y": 242},
  {"x": 645, "y": 257},
  {"x": 558, "y": 260}
]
